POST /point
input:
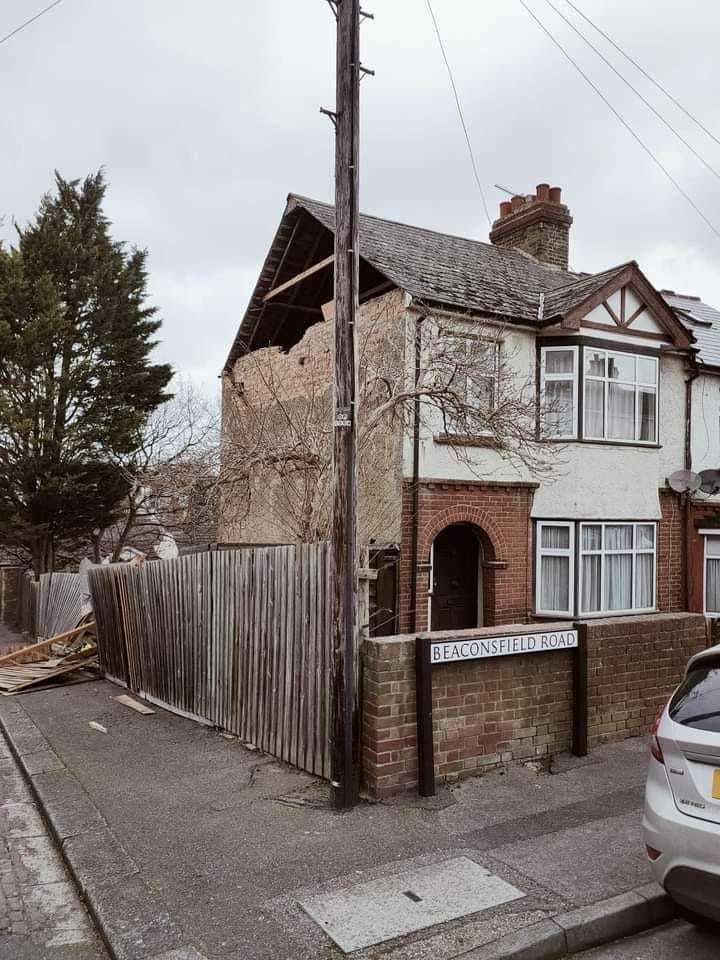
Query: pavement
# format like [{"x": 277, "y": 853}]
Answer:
[
  {"x": 41, "y": 916},
  {"x": 182, "y": 839},
  {"x": 674, "y": 941}
]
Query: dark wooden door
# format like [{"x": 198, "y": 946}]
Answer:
[{"x": 456, "y": 555}]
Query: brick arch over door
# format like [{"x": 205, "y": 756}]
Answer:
[
  {"x": 472, "y": 520},
  {"x": 478, "y": 518}
]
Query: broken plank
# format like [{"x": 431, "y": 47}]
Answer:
[
  {"x": 127, "y": 701},
  {"x": 11, "y": 658}
]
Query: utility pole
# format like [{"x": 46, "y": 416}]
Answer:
[{"x": 345, "y": 760}]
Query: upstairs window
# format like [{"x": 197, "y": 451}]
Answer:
[
  {"x": 469, "y": 365},
  {"x": 620, "y": 396},
  {"x": 559, "y": 392},
  {"x": 712, "y": 575}
]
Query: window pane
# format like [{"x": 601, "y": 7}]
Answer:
[
  {"x": 712, "y": 546},
  {"x": 712, "y": 586},
  {"x": 555, "y": 583},
  {"x": 644, "y": 579},
  {"x": 621, "y": 367},
  {"x": 647, "y": 370},
  {"x": 559, "y": 413},
  {"x": 618, "y": 582},
  {"x": 480, "y": 391},
  {"x": 594, "y": 408},
  {"x": 592, "y": 537},
  {"x": 648, "y": 414},
  {"x": 595, "y": 363},
  {"x": 618, "y": 537},
  {"x": 591, "y": 596},
  {"x": 645, "y": 536},
  {"x": 696, "y": 702},
  {"x": 559, "y": 361},
  {"x": 621, "y": 412},
  {"x": 555, "y": 538}
]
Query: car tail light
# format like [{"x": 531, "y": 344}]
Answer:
[
  {"x": 652, "y": 853},
  {"x": 655, "y": 748}
]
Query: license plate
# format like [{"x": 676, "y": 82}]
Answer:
[{"x": 716, "y": 785}]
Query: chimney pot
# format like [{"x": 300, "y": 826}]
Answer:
[
  {"x": 517, "y": 202},
  {"x": 542, "y": 192},
  {"x": 505, "y": 208},
  {"x": 538, "y": 223},
  {"x": 555, "y": 194}
]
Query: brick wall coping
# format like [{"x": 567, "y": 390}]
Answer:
[
  {"x": 438, "y": 482},
  {"x": 636, "y": 623}
]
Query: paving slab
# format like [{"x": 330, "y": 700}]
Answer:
[{"x": 403, "y": 903}]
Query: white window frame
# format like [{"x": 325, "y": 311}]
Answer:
[
  {"x": 456, "y": 430},
  {"x": 706, "y": 535},
  {"x": 636, "y": 384},
  {"x": 541, "y": 552},
  {"x": 574, "y": 376},
  {"x": 603, "y": 553}
]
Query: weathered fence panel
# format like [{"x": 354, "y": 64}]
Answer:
[
  {"x": 59, "y": 604},
  {"x": 27, "y": 602},
  {"x": 238, "y": 638}
]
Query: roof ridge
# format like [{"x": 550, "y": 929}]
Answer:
[{"x": 440, "y": 233}]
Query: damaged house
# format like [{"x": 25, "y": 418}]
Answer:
[{"x": 518, "y": 421}]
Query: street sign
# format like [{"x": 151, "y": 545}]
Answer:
[{"x": 481, "y": 647}]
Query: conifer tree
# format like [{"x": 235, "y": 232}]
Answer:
[{"x": 76, "y": 379}]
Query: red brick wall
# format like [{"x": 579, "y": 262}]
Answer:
[
  {"x": 489, "y": 712},
  {"x": 502, "y": 512},
  {"x": 670, "y": 554}
]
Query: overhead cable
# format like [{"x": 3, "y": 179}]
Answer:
[
  {"x": 28, "y": 22},
  {"x": 627, "y": 83},
  {"x": 622, "y": 120},
  {"x": 459, "y": 110},
  {"x": 645, "y": 73}
]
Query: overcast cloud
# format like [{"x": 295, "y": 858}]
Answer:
[{"x": 205, "y": 115}]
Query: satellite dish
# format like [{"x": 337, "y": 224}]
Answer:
[
  {"x": 710, "y": 482},
  {"x": 684, "y": 481}
]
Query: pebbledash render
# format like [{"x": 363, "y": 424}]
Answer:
[{"x": 627, "y": 387}]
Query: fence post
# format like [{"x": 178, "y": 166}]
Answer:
[
  {"x": 423, "y": 701},
  {"x": 580, "y": 693}
]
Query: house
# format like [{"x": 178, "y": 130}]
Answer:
[{"x": 622, "y": 389}]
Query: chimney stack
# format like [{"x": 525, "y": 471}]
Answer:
[{"x": 539, "y": 224}]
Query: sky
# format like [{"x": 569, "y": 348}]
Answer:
[{"x": 206, "y": 115}]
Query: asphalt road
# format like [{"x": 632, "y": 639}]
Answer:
[{"x": 676, "y": 941}]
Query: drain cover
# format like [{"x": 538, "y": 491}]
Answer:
[{"x": 368, "y": 913}]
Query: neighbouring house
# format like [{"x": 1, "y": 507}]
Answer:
[{"x": 551, "y": 506}]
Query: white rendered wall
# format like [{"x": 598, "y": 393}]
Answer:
[{"x": 591, "y": 480}]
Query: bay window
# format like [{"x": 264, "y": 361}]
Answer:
[
  {"x": 555, "y": 568},
  {"x": 616, "y": 568},
  {"x": 619, "y": 392},
  {"x": 559, "y": 392},
  {"x": 712, "y": 574},
  {"x": 620, "y": 397}
]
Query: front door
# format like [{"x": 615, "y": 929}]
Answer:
[{"x": 455, "y": 602}]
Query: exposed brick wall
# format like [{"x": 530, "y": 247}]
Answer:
[
  {"x": 502, "y": 512},
  {"x": 489, "y": 712}
]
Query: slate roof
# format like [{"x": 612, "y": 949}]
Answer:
[
  {"x": 702, "y": 320},
  {"x": 451, "y": 270},
  {"x": 447, "y": 270}
]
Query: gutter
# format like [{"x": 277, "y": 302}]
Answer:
[{"x": 693, "y": 374}]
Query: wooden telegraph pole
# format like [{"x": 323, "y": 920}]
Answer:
[{"x": 345, "y": 761}]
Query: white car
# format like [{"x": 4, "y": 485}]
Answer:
[{"x": 681, "y": 824}]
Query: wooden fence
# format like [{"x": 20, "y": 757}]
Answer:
[
  {"x": 59, "y": 604},
  {"x": 241, "y": 639},
  {"x": 27, "y": 601}
]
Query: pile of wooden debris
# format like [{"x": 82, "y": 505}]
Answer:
[{"x": 69, "y": 657}]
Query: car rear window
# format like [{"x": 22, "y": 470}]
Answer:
[{"x": 696, "y": 702}]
